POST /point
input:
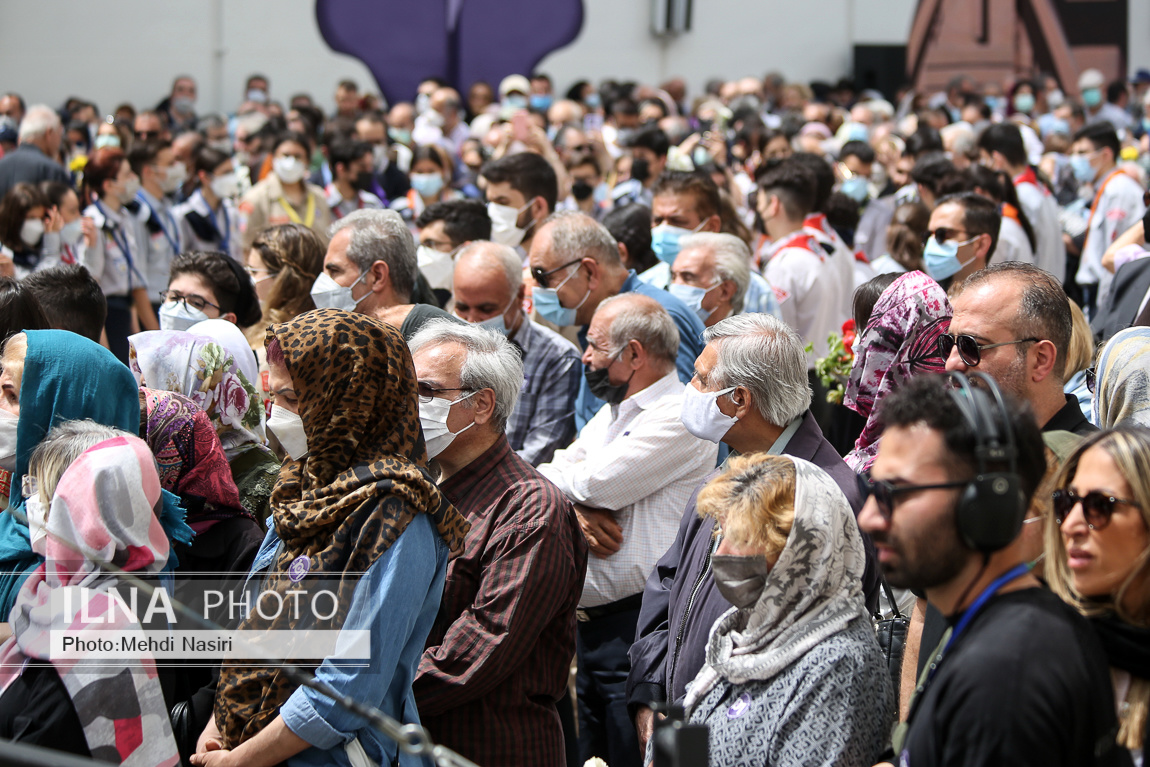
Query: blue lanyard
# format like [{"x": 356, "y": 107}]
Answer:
[
  {"x": 225, "y": 233},
  {"x": 121, "y": 240},
  {"x": 173, "y": 241}
]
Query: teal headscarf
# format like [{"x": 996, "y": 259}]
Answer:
[{"x": 66, "y": 377}]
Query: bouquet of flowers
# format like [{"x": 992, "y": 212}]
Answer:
[{"x": 835, "y": 368}]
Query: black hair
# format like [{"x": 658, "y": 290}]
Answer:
[
  {"x": 699, "y": 185},
  {"x": 527, "y": 173},
  {"x": 295, "y": 137},
  {"x": 1114, "y": 90},
  {"x": 1006, "y": 139},
  {"x": 145, "y": 153},
  {"x": 930, "y": 169},
  {"x": 1000, "y": 186},
  {"x": 925, "y": 139},
  {"x": 71, "y": 299},
  {"x": 463, "y": 220},
  {"x": 925, "y": 399},
  {"x": 859, "y": 149},
  {"x": 867, "y": 295},
  {"x": 823, "y": 174},
  {"x": 979, "y": 216},
  {"x": 1103, "y": 136},
  {"x": 20, "y": 310},
  {"x": 228, "y": 280},
  {"x": 652, "y": 138},
  {"x": 795, "y": 186},
  {"x": 344, "y": 151},
  {"x": 631, "y": 225},
  {"x": 207, "y": 159}
]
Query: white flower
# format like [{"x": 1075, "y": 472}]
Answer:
[{"x": 594, "y": 762}]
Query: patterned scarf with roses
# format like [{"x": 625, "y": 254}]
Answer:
[{"x": 207, "y": 373}]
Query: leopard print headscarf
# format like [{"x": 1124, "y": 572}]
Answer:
[{"x": 365, "y": 478}]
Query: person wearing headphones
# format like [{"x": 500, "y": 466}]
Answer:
[{"x": 1019, "y": 678}]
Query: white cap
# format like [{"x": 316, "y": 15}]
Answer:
[
  {"x": 1091, "y": 78},
  {"x": 514, "y": 83}
]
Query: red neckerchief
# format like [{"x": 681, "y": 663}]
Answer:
[
  {"x": 798, "y": 239},
  {"x": 817, "y": 221},
  {"x": 1028, "y": 176}
]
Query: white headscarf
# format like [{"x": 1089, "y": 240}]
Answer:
[{"x": 812, "y": 592}]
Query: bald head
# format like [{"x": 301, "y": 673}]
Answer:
[
  {"x": 488, "y": 282},
  {"x": 569, "y": 235}
]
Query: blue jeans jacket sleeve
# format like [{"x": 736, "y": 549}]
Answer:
[{"x": 396, "y": 600}]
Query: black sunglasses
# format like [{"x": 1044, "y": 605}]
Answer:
[
  {"x": 541, "y": 276},
  {"x": 942, "y": 234},
  {"x": 1091, "y": 379},
  {"x": 1097, "y": 507},
  {"x": 969, "y": 350},
  {"x": 884, "y": 492}
]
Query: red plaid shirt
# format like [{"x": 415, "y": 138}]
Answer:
[{"x": 498, "y": 656}]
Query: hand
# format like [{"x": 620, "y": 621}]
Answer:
[
  {"x": 717, "y": 147},
  {"x": 210, "y": 739},
  {"x": 645, "y": 726},
  {"x": 53, "y": 221},
  {"x": 89, "y": 228},
  {"x": 7, "y": 267},
  {"x": 221, "y": 757},
  {"x": 599, "y": 527}
]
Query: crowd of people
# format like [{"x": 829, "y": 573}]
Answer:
[{"x": 597, "y": 410}]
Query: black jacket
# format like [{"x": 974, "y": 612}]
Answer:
[
  {"x": 27, "y": 163},
  {"x": 1126, "y": 294}
]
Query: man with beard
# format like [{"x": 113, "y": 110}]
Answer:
[
  {"x": 1012, "y": 321},
  {"x": 1019, "y": 678},
  {"x": 351, "y": 178}
]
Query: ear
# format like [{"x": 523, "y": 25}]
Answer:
[
  {"x": 712, "y": 224},
  {"x": 382, "y": 274},
  {"x": 521, "y": 296},
  {"x": 539, "y": 209},
  {"x": 1045, "y": 356},
  {"x": 592, "y": 267},
  {"x": 484, "y": 406},
  {"x": 727, "y": 290},
  {"x": 983, "y": 247},
  {"x": 741, "y": 399},
  {"x": 622, "y": 252},
  {"x": 230, "y": 317},
  {"x": 638, "y": 355}
]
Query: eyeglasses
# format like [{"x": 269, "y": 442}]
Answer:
[
  {"x": 942, "y": 234},
  {"x": 1091, "y": 379},
  {"x": 541, "y": 276},
  {"x": 969, "y": 350},
  {"x": 144, "y": 135},
  {"x": 194, "y": 301},
  {"x": 1097, "y": 507},
  {"x": 884, "y": 492},
  {"x": 427, "y": 393}
]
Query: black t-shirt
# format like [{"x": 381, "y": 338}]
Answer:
[
  {"x": 1027, "y": 683},
  {"x": 36, "y": 709}
]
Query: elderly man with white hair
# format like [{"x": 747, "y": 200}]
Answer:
[
  {"x": 629, "y": 474},
  {"x": 498, "y": 656},
  {"x": 712, "y": 275},
  {"x": 489, "y": 292},
  {"x": 36, "y": 159}
]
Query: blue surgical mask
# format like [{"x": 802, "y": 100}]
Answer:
[
  {"x": 693, "y": 298},
  {"x": 515, "y": 102},
  {"x": 592, "y": 101},
  {"x": 1083, "y": 170},
  {"x": 547, "y": 304},
  {"x": 498, "y": 323},
  {"x": 1024, "y": 102},
  {"x": 941, "y": 258},
  {"x": 541, "y": 102},
  {"x": 1092, "y": 97},
  {"x": 665, "y": 241},
  {"x": 855, "y": 188},
  {"x": 427, "y": 184}
]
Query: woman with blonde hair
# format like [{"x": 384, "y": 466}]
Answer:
[
  {"x": 794, "y": 674},
  {"x": 1079, "y": 358},
  {"x": 1098, "y": 552}
]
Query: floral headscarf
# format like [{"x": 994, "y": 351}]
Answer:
[
  {"x": 219, "y": 381},
  {"x": 103, "y": 511},
  {"x": 1122, "y": 392},
  {"x": 900, "y": 341},
  {"x": 364, "y": 480}
]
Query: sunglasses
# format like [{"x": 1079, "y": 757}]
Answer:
[
  {"x": 1091, "y": 379},
  {"x": 541, "y": 276},
  {"x": 969, "y": 350},
  {"x": 942, "y": 234},
  {"x": 1097, "y": 507},
  {"x": 885, "y": 493}
]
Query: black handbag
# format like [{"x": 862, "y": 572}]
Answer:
[{"x": 891, "y": 633}]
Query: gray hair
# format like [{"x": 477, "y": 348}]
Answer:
[
  {"x": 764, "y": 355},
  {"x": 381, "y": 235},
  {"x": 643, "y": 319},
  {"x": 732, "y": 261},
  {"x": 493, "y": 252},
  {"x": 210, "y": 122},
  {"x": 61, "y": 447},
  {"x": 38, "y": 120},
  {"x": 492, "y": 362},
  {"x": 575, "y": 234}
]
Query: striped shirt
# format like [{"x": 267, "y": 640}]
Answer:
[{"x": 498, "y": 656}]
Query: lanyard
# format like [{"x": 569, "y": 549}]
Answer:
[
  {"x": 120, "y": 238},
  {"x": 225, "y": 233},
  {"x": 309, "y": 217},
  {"x": 174, "y": 241},
  {"x": 1094, "y": 206}
]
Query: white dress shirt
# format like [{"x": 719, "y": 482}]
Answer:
[{"x": 637, "y": 460}]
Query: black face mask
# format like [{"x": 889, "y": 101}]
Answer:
[
  {"x": 581, "y": 190},
  {"x": 640, "y": 170},
  {"x": 362, "y": 181},
  {"x": 600, "y": 385},
  {"x": 1146, "y": 225}
]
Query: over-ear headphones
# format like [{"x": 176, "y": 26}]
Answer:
[{"x": 991, "y": 508}]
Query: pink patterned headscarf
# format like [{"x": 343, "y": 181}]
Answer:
[
  {"x": 900, "y": 341},
  {"x": 103, "y": 511}
]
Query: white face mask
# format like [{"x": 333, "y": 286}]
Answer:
[
  {"x": 131, "y": 186},
  {"x": 37, "y": 515},
  {"x": 227, "y": 185},
  {"x": 329, "y": 294},
  {"x": 174, "y": 177},
  {"x": 289, "y": 170},
  {"x": 380, "y": 157},
  {"x": 179, "y": 316},
  {"x": 31, "y": 231},
  {"x": 433, "y": 419},
  {"x": 701, "y": 415},
  {"x": 288, "y": 428},
  {"x": 437, "y": 266},
  {"x": 8, "y": 423},
  {"x": 503, "y": 224},
  {"x": 72, "y": 232}
]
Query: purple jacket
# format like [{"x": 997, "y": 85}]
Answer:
[{"x": 680, "y": 601}]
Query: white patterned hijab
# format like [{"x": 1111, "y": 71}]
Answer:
[{"x": 812, "y": 592}]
